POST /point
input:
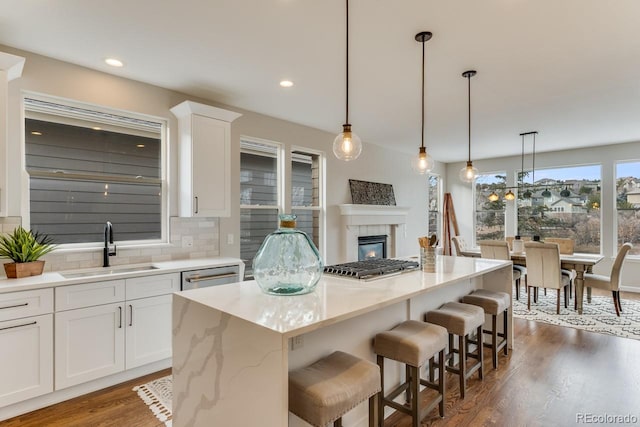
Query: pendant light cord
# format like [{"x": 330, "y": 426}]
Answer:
[
  {"x": 347, "y": 62},
  {"x": 469, "y": 122},
  {"x": 422, "y": 135}
]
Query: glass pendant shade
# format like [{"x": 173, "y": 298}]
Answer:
[
  {"x": 546, "y": 193},
  {"x": 509, "y": 195},
  {"x": 468, "y": 173},
  {"x": 422, "y": 163},
  {"x": 288, "y": 262},
  {"x": 527, "y": 194},
  {"x": 565, "y": 192},
  {"x": 493, "y": 197},
  {"x": 347, "y": 145}
]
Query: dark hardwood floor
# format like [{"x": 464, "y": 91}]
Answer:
[{"x": 553, "y": 375}]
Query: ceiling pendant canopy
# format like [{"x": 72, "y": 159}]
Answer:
[
  {"x": 423, "y": 162},
  {"x": 347, "y": 145},
  {"x": 469, "y": 173}
]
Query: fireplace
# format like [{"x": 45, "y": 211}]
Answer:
[{"x": 372, "y": 247}]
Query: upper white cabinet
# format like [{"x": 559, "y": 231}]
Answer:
[
  {"x": 10, "y": 68},
  {"x": 204, "y": 159}
]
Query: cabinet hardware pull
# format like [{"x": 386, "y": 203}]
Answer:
[
  {"x": 130, "y": 315},
  {"x": 211, "y": 277},
  {"x": 120, "y": 316},
  {"x": 18, "y": 326},
  {"x": 196, "y": 204},
  {"x": 14, "y": 306}
]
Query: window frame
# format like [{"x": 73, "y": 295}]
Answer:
[
  {"x": 321, "y": 208},
  {"x": 616, "y": 236},
  {"x": 440, "y": 195},
  {"x": 164, "y": 167},
  {"x": 474, "y": 240}
]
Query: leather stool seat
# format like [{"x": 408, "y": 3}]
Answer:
[{"x": 324, "y": 391}]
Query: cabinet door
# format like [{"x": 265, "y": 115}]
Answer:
[
  {"x": 89, "y": 344},
  {"x": 211, "y": 158},
  {"x": 26, "y": 358},
  {"x": 148, "y": 330}
]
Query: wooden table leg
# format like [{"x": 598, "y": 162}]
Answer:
[{"x": 579, "y": 286}]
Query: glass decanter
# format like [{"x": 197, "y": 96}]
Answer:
[{"x": 287, "y": 263}]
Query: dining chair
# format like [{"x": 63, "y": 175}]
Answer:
[
  {"x": 543, "y": 270},
  {"x": 499, "y": 249},
  {"x": 460, "y": 244},
  {"x": 611, "y": 282}
]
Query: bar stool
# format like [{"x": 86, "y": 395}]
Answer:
[
  {"x": 493, "y": 303},
  {"x": 412, "y": 343},
  {"x": 324, "y": 391},
  {"x": 460, "y": 319}
]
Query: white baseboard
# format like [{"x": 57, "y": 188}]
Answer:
[
  {"x": 635, "y": 289},
  {"x": 80, "y": 389}
]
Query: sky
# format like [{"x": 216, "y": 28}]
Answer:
[{"x": 591, "y": 172}]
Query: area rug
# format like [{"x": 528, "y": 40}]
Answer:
[
  {"x": 598, "y": 316},
  {"x": 157, "y": 395}
]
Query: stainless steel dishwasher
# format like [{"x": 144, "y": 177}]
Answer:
[{"x": 195, "y": 279}]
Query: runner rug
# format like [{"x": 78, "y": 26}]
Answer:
[
  {"x": 598, "y": 316},
  {"x": 157, "y": 395}
]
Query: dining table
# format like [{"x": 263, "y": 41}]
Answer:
[{"x": 580, "y": 263}]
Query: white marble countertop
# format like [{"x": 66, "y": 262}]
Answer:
[
  {"x": 53, "y": 279},
  {"x": 335, "y": 298}
]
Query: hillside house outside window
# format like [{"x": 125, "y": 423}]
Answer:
[
  {"x": 88, "y": 165},
  {"x": 564, "y": 202},
  {"x": 628, "y": 204}
]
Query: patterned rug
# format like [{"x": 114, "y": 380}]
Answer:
[
  {"x": 157, "y": 395},
  {"x": 598, "y": 316}
]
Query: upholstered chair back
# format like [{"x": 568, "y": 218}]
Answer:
[
  {"x": 617, "y": 266},
  {"x": 460, "y": 244},
  {"x": 494, "y": 249},
  {"x": 543, "y": 265}
]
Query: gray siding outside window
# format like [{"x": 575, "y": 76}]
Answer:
[{"x": 82, "y": 177}]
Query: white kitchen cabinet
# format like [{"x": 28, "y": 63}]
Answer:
[
  {"x": 89, "y": 344},
  {"x": 26, "y": 345},
  {"x": 95, "y": 339},
  {"x": 204, "y": 159},
  {"x": 148, "y": 331},
  {"x": 26, "y": 358}
]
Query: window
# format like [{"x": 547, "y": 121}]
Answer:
[
  {"x": 87, "y": 166},
  {"x": 489, "y": 215},
  {"x": 433, "y": 210},
  {"x": 628, "y": 204},
  {"x": 564, "y": 202},
  {"x": 260, "y": 196},
  {"x": 306, "y": 197}
]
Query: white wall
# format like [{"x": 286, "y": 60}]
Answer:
[
  {"x": 56, "y": 78},
  {"x": 606, "y": 155}
]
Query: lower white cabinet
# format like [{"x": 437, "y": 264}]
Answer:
[
  {"x": 26, "y": 351},
  {"x": 148, "y": 330},
  {"x": 100, "y": 340},
  {"x": 89, "y": 344}
]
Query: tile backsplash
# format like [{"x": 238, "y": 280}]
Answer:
[{"x": 203, "y": 232}]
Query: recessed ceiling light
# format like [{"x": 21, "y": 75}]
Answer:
[
  {"x": 114, "y": 62},
  {"x": 140, "y": 145},
  {"x": 286, "y": 83},
  {"x": 35, "y": 132},
  {"x": 96, "y": 128}
]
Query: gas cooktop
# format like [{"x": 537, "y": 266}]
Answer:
[{"x": 371, "y": 269}]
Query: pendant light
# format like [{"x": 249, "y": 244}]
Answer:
[
  {"x": 469, "y": 173},
  {"x": 423, "y": 162},
  {"x": 493, "y": 197},
  {"x": 347, "y": 145}
]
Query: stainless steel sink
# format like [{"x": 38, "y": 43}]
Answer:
[{"x": 109, "y": 271}]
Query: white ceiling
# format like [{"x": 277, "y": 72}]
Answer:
[{"x": 566, "y": 68}]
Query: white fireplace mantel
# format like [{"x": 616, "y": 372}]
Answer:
[
  {"x": 373, "y": 214},
  {"x": 357, "y": 218}
]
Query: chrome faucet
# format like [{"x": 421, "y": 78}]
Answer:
[{"x": 109, "y": 247}]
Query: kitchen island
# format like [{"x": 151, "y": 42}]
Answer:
[{"x": 233, "y": 345}]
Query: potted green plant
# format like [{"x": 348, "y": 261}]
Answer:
[{"x": 24, "y": 248}]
